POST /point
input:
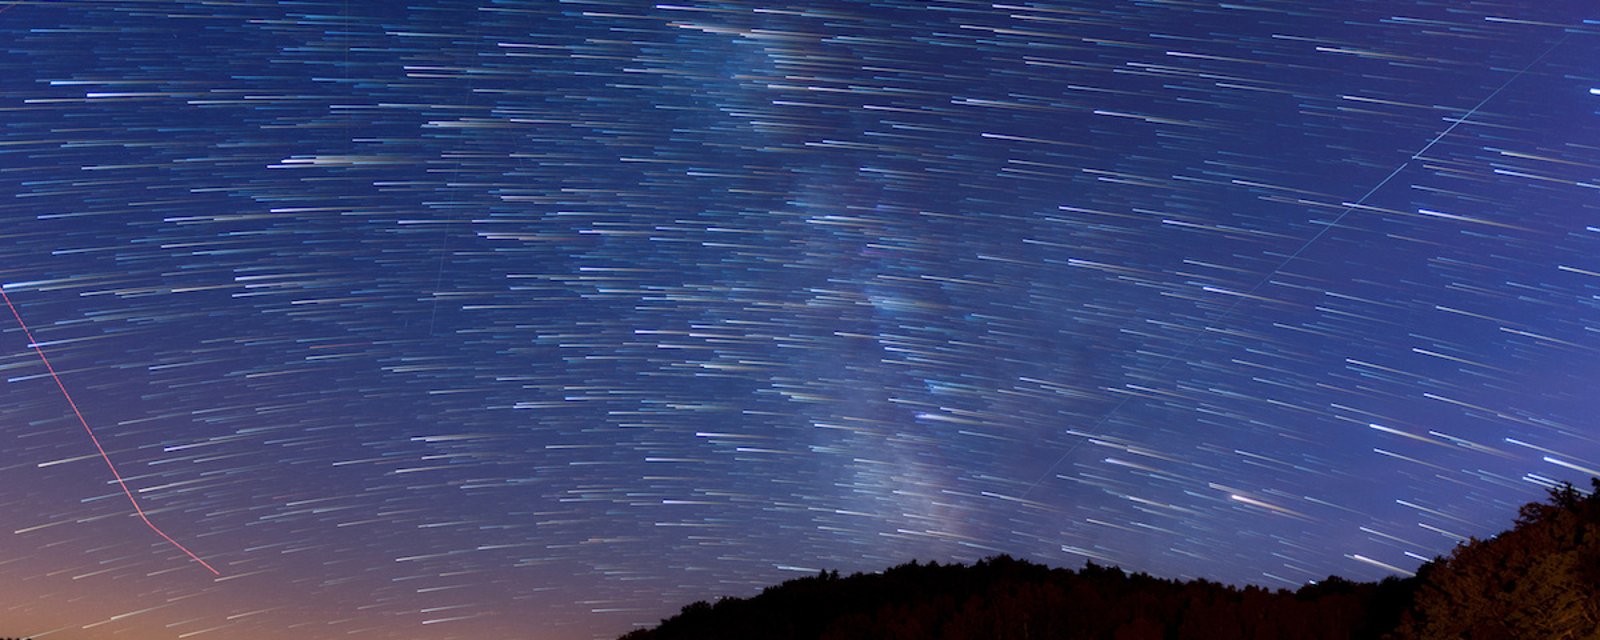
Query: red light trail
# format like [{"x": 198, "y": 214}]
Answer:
[{"x": 114, "y": 473}]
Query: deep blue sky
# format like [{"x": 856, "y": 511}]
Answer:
[{"x": 539, "y": 319}]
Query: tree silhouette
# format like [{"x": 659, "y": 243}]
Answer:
[
  {"x": 1535, "y": 581},
  {"x": 1002, "y": 598}
]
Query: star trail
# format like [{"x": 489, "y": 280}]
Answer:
[{"x": 541, "y": 319}]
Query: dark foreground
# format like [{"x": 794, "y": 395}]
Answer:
[{"x": 1536, "y": 580}]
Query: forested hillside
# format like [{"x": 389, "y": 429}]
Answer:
[{"x": 1536, "y": 580}]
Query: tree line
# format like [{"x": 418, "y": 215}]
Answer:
[{"x": 1540, "y": 579}]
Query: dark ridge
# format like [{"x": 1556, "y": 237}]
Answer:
[{"x": 1537, "y": 580}]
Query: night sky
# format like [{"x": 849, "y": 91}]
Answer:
[{"x": 539, "y": 319}]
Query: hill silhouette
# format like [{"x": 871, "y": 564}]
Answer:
[{"x": 1540, "y": 579}]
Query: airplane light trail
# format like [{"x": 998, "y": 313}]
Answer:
[{"x": 114, "y": 473}]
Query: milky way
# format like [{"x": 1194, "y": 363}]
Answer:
[{"x": 541, "y": 319}]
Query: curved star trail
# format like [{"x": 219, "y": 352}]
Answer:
[{"x": 541, "y": 319}]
